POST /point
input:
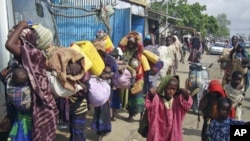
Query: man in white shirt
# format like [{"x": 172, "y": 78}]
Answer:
[{"x": 169, "y": 57}]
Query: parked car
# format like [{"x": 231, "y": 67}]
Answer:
[
  {"x": 247, "y": 44},
  {"x": 217, "y": 48}
]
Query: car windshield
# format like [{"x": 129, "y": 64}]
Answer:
[
  {"x": 219, "y": 45},
  {"x": 247, "y": 45}
]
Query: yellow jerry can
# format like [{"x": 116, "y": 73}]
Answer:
[
  {"x": 153, "y": 58},
  {"x": 145, "y": 63},
  {"x": 109, "y": 46},
  {"x": 88, "y": 48},
  {"x": 88, "y": 63}
]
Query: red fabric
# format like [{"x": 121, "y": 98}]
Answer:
[
  {"x": 166, "y": 124},
  {"x": 139, "y": 73},
  {"x": 215, "y": 86}
]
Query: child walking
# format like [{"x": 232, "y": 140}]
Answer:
[
  {"x": 219, "y": 128},
  {"x": 235, "y": 92},
  {"x": 166, "y": 108},
  {"x": 208, "y": 104}
]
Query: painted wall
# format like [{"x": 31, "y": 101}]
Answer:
[
  {"x": 137, "y": 24},
  {"x": 85, "y": 28},
  {"x": 121, "y": 24},
  {"x": 4, "y": 54}
]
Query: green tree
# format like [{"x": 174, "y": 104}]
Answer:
[
  {"x": 223, "y": 23},
  {"x": 191, "y": 15}
]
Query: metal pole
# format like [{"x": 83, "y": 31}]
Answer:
[{"x": 167, "y": 14}]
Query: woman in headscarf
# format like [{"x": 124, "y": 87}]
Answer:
[
  {"x": 26, "y": 44},
  {"x": 166, "y": 107},
  {"x": 178, "y": 46},
  {"x": 208, "y": 105},
  {"x": 132, "y": 49}
]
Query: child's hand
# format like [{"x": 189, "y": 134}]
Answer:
[
  {"x": 185, "y": 93},
  {"x": 152, "y": 92}
]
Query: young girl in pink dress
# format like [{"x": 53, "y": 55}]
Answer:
[{"x": 166, "y": 108}]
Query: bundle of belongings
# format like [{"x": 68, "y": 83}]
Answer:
[{"x": 140, "y": 61}]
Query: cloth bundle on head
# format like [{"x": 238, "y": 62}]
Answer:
[
  {"x": 125, "y": 39},
  {"x": 101, "y": 34},
  {"x": 59, "y": 60},
  {"x": 164, "y": 83},
  {"x": 44, "y": 37},
  {"x": 132, "y": 39}
]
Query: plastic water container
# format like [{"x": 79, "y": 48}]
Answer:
[{"x": 88, "y": 48}]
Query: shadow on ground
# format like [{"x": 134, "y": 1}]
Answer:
[{"x": 192, "y": 132}]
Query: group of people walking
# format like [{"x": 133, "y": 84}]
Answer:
[
  {"x": 152, "y": 91},
  {"x": 32, "y": 111}
]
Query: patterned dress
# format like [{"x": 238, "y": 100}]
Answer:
[{"x": 220, "y": 131}]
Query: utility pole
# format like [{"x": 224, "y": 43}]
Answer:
[{"x": 166, "y": 2}]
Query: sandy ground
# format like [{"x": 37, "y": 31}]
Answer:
[{"x": 127, "y": 131}]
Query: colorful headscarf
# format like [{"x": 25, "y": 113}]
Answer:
[{"x": 164, "y": 83}]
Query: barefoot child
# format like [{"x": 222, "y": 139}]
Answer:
[{"x": 166, "y": 109}]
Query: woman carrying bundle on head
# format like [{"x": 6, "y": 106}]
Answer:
[
  {"x": 26, "y": 43},
  {"x": 132, "y": 48}
]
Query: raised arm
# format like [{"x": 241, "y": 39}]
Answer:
[{"x": 13, "y": 43}]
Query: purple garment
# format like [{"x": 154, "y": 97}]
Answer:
[
  {"x": 110, "y": 61},
  {"x": 44, "y": 110}
]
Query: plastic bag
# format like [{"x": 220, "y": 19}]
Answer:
[{"x": 99, "y": 91}]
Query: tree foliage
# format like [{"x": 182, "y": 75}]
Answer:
[
  {"x": 191, "y": 14},
  {"x": 223, "y": 23}
]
